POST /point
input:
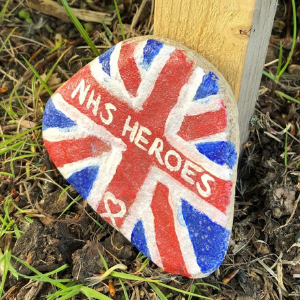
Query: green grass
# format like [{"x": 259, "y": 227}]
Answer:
[
  {"x": 7, "y": 39},
  {"x": 35, "y": 72},
  {"x": 120, "y": 20},
  {"x": 3, "y": 12},
  {"x": 287, "y": 97},
  {"x": 6, "y": 267},
  {"x": 80, "y": 28},
  {"x": 281, "y": 70}
]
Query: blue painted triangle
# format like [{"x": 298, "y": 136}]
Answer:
[
  {"x": 208, "y": 87},
  {"x": 83, "y": 180},
  {"x": 55, "y": 118},
  {"x": 104, "y": 59},
  {"x": 221, "y": 152},
  {"x": 209, "y": 239},
  {"x": 138, "y": 238},
  {"x": 151, "y": 49}
]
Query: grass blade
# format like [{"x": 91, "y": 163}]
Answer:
[
  {"x": 41, "y": 277},
  {"x": 3, "y": 11},
  {"x": 158, "y": 292},
  {"x": 286, "y": 147},
  {"x": 192, "y": 290},
  {"x": 269, "y": 75},
  {"x": 94, "y": 294},
  {"x": 181, "y": 291},
  {"x": 38, "y": 76},
  {"x": 120, "y": 20},
  {"x": 207, "y": 284},
  {"x": 131, "y": 277},
  {"x": 7, "y": 142},
  {"x": 80, "y": 28},
  {"x": 103, "y": 261},
  {"x": 6, "y": 40},
  {"x": 294, "y": 40},
  {"x": 279, "y": 60},
  {"x": 124, "y": 289},
  {"x": 69, "y": 295},
  {"x": 287, "y": 97}
]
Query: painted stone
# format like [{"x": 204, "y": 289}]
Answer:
[{"x": 147, "y": 134}]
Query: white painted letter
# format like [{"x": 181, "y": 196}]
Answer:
[
  {"x": 82, "y": 91},
  {"x": 108, "y": 107},
  {"x": 94, "y": 102},
  {"x": 186, "y": 171},
  {"x": 139, "y": 137},
  {"x": 175, "y": 154},
  {"x": 132, "y": 129},
  {"x": 205, "y": 178},
  {"x": 157, "y": 147}
]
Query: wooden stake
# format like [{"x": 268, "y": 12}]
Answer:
[{"x": 232, "y": 34}]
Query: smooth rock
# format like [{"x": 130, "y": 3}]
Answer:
[{"x": 147, "y": 133}]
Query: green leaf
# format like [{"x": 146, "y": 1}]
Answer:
[{"x": 24, "y": 14}]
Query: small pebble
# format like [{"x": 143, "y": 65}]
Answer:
[
  {"x": 243, "y": 278},
  {"x": 297, "y": 237}
]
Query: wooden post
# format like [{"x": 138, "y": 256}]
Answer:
[{"x": 232, "y": 34}]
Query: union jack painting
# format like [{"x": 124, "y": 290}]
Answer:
[{"x": 143, "y": 134}]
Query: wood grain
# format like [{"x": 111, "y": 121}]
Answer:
[
  {"x": 255, "y": 58},
  {"x": 52, "y": 8},
  {"x": 232, "y": 34}
]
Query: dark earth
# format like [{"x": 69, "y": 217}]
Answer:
[{"x": 52, "y": 226}]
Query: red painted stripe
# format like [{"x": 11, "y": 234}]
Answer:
[
  {"x": 164, "y": 96},
  {"x": 194, "y": 127},
  {"x": 68, "y": 151},
  {"x": 166, "y": 238},
  {"x": 128, "y": 69}
]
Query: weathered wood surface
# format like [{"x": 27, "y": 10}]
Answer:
[
  {"x": 52, "y": 8},
  {"x": 231, "y": 34},
  {"x": 255, "y": 57}
]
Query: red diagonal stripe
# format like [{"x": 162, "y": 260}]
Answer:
[
  {"x": 166, "y": 237},
  {"x": 68, "y": 151},
  {"x": 194, "y": 127},
  {"x": 128, "y": 69},
  {"x": 164, "y": 96}
]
